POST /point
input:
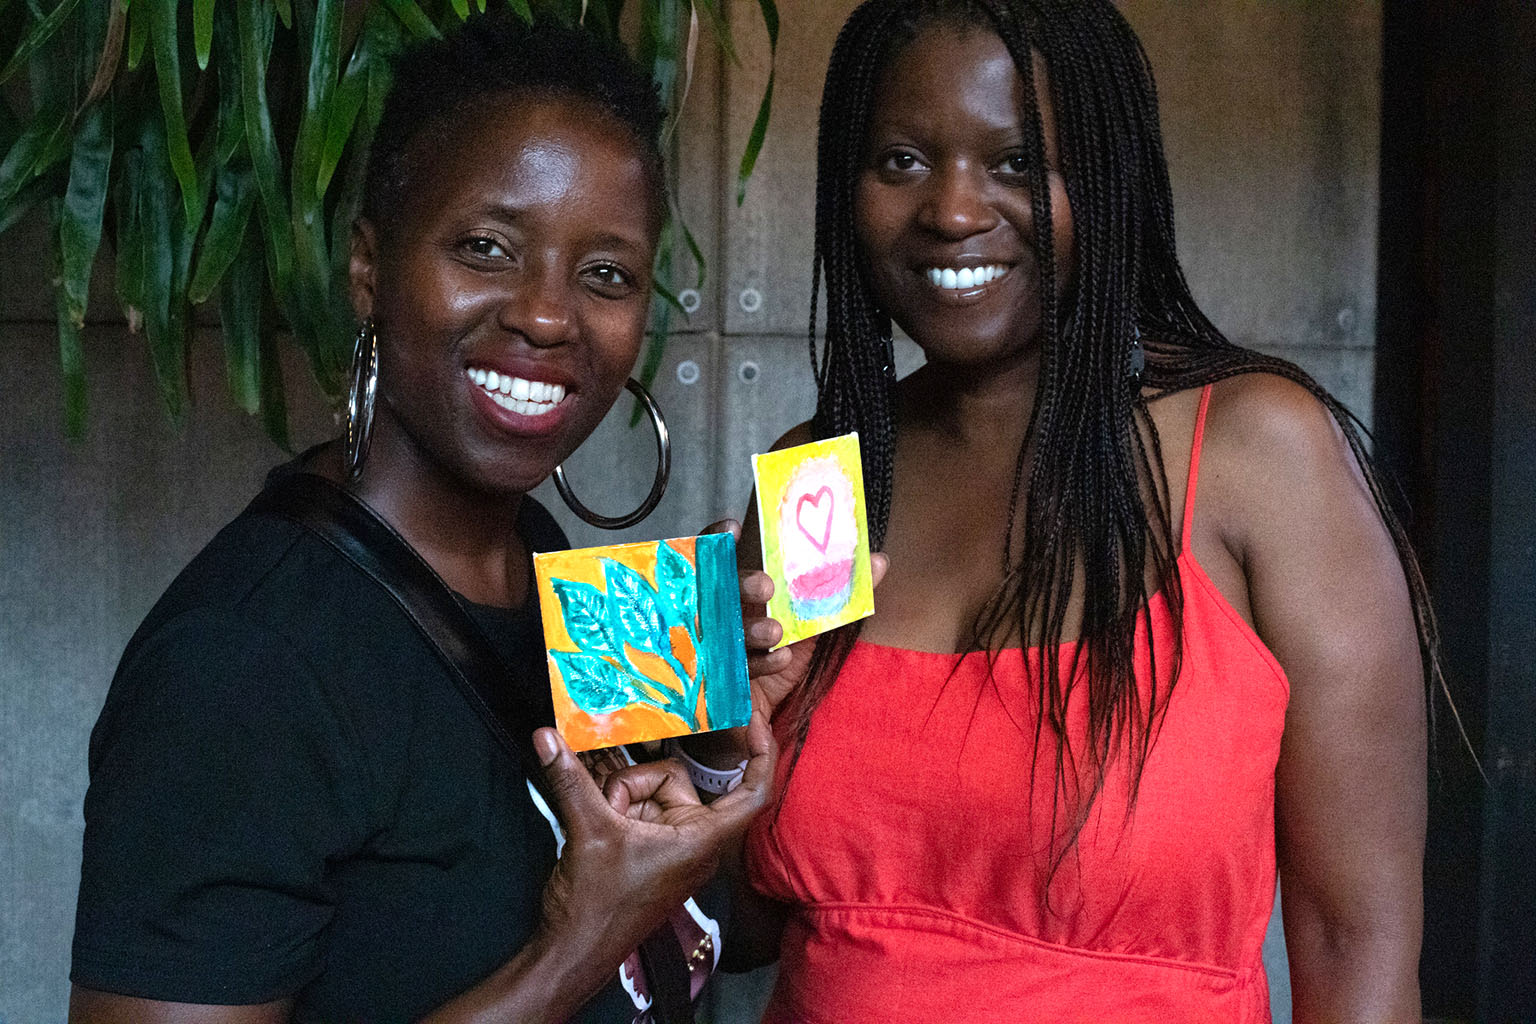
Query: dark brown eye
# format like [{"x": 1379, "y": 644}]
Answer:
[
  {"x": 485, "y": 248},
  {"x": 610, "y": 278}
]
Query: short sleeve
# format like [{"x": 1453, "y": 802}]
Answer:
[{"x": 224, "y": 779}]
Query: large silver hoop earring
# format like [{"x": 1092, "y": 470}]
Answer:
[
  {"x": 658, "y": 486},
  {"x": 361, "y": 394}
]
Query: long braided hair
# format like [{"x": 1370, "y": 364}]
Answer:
[{"x": 1097, "y": 504}]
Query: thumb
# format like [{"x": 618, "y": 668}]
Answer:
[
  {"x": 879, "y": 563},
  {"x": 729, "y": 526},
  {"x": 579, "y": 804}
]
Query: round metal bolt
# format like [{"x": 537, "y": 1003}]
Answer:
[
  {"x": 751, "y": 300},
  {"x": 690, "y": 300},
  {"x": 748, "y": 372},
  {"x": 688, "y": 372}
]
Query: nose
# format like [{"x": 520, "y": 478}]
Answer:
[
  {"x": 540, "y": 308},
  {"x": 957, "y": 205}
]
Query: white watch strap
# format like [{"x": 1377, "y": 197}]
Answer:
[{"x": 705, "y": 778}]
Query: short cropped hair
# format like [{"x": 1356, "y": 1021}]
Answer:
[{"x": 496, "y": 54}]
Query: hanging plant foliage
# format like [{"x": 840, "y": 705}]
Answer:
[{"x": 218, "y": 147}]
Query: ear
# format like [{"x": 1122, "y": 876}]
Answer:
[{"x": 364, "y": 266}]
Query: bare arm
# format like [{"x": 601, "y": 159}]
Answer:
[
  {"x": 634, "y": 851},
  {"x": 1328, "y": 597}
]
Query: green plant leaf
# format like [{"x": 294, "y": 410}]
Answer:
[
  {"x": 84, "y": 204},
  {"x": 414, "y": 19},
  {"x": 759, "y": 134},
  {"x": 168, "y": 73},
  {"x": 715, "y": 15},
  {"x": 311, "y": 254},
  {"x": 596, "y": 685},
  {"x": 71, "y": 349},
  {"x": 138, "y": 34},
  {"x": 202, "y": 30},
  {"x": 234, "y": 197},
  {"x": 158, "y": 236},
  {"x": 240, "y": 305},
  {"x": 230, "y": 124},
  {"x": 111, "y": 55},
  {"x": 31, "y": 153},
  {"x": 584, "y": 610},
  {"x": 461, "y": 8},
  {"x": 678, "y": 585},
  {"x": 373, "y": 43},
  {"x": 254, "y": 20},
  {"x": 285, "y": 13},
  {"x": 520, "y": 7},
  {"x": 634, "y": 609},
  {"x": 40, "y": 34}
]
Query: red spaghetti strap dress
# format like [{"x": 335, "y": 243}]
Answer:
[{"x": 906, "y": 846}]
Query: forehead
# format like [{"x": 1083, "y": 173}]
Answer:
[
  {"x": 534, "y": 148},
  {"x": 957, "y": 77}
]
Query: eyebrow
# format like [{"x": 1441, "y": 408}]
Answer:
[{"x": 516, "y": 215}]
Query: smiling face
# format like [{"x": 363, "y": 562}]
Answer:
[
  {"x": 510, "y": 294},
  {"x": 942, "y": 206}
]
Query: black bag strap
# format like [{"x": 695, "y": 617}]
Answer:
[{"x": 364, "y": 538}]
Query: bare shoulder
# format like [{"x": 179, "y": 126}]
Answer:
[
  {"x": 1267, "y": 436},
  {"x": 1271, "y": 419}
]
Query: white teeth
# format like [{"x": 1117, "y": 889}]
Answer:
[
  {"x": 527, "y": 397},
  {"x": 964, "y": 278}
]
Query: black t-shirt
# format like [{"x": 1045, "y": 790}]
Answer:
[{"x": 289, "y": 797}]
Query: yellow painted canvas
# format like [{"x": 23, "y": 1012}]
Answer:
[
  {"x": 644, "y": 640},
  {"x": 815, "y": 537}
]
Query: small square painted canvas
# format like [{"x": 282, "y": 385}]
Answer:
[
  {"x": 810, "y": 510},
  {"x": 644, "y": 640}
]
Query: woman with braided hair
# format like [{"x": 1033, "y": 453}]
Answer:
[{"x": 1099, "y": 707}]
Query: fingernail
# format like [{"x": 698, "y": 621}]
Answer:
[
  {"x": 546, "y": 747},
  {"x": 762, "y": 631}
]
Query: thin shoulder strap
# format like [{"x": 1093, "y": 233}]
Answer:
[
  {"x": 1185, "y": 534},
  {"x": 364, "y": 538}
]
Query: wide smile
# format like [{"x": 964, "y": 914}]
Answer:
[
  {"x": 518, "y": 395},
  {"x": 964, "y": 281}
]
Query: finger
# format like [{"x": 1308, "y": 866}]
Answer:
[
  {"x": 665, "y": 784},
  {"x": 762, "y": 633},
  {"x": 579, "y": 804},
  {"x": 768, "y": 663},
  {"x": 736, "y": 809},
  {"x": 879, "y": 564},
  {"x": 756, "y": 589},
  {"x": 729, "y": 526}
]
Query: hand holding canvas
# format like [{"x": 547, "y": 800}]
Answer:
[{"x": 641, "y": 845}]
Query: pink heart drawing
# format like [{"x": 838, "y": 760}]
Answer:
[{"x": 825, "y": 525}]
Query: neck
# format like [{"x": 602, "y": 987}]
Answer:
[
  {"x": 467, "y": 534},
  {"x": 986, "y": 405}
]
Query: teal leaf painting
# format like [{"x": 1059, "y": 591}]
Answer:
[
  {"x": 596, "y": 684},
  {"x": 623, "y": 630},
  {"x": 636, "y": 608},
  {"x": 585, "y": 609},
  {"x": 679, "y": 587}
]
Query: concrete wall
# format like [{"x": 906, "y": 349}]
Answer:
[{"x": 1270, "y": 112}]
